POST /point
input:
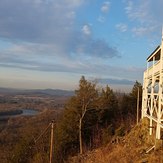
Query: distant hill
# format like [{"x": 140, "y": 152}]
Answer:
[{"x": 49, "y": 92}]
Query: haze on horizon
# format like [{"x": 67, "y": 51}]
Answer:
[{"x": 52, "y": 43}]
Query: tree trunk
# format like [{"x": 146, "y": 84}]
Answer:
[
  {"x": 80, "y": 136},
  {"x": 80, "y": 128}
]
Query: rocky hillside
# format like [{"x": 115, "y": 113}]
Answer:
[{"x": 132, "y": 148}]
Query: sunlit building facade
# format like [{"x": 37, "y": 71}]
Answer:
[{"x": 152, "y": 99}]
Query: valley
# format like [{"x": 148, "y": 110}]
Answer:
[{"x": 25, "y": 115}]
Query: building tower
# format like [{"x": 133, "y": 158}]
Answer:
[{"x": 152, "y": 99}]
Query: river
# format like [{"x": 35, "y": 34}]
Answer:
[
  {"x": 29, "y": 112},
  {"x": 25, "y": 112}
]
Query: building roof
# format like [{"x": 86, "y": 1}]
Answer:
[{"x": 155, "y": 53}]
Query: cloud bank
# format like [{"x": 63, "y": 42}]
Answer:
[
  {"x": 116, "y": 81},
  {"x": 43, "y": 34}
]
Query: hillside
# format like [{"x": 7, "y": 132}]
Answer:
[
  {"x": 43, "y": 92},
  {"x": 128, "y": 149}
]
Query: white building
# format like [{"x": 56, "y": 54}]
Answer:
[{"x": 152, "y": 99}]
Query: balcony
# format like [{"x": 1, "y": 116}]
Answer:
[{"x": 154, "y": 69}]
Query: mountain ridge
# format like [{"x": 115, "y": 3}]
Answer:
[{"x": 48, "y": 91}]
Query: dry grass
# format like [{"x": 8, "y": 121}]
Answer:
[{"x": 131, "y": 150}]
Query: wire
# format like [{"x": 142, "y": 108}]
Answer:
[{"x": 42, "y": 133}]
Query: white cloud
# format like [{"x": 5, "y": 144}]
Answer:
[
  {"x": 143, "y": 30},
  {"x": 105, "y": 7},
  {"x": 129, "y": 7},
  {"x": 86, "y": 30},
  {"x": 101, "y": 19},
  {"x": 140, "y": 31},
  {"x": 122, "y": 27},
  {"x": 136, "y": 11},
  {"x": 147, "y": 15},
  {"x": 104, "y": 10}
]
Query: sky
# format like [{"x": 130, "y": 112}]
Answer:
[{"x": 52, "y": 43}]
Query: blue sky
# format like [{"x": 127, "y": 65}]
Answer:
[{"x": 51, "y": 43}]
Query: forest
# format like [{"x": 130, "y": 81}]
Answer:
[{"x": 91, "y": 118}]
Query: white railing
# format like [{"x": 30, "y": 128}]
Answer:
[{"x": 154, "y": 69}]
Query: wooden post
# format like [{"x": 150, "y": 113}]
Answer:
[
  {"x": 138, "y": 107},
  {"x": 51, "y": 141}
]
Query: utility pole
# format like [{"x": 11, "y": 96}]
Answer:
[
  {"x": 138, "y": 106},
  {"x": 51, "y": 141}
]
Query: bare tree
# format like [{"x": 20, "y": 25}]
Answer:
[{"x": 86, "y": 97}]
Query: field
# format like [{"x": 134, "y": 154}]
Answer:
[{"x": 14, "y": 130}]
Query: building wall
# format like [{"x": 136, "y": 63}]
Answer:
[{"x": 152, "y": 99}]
